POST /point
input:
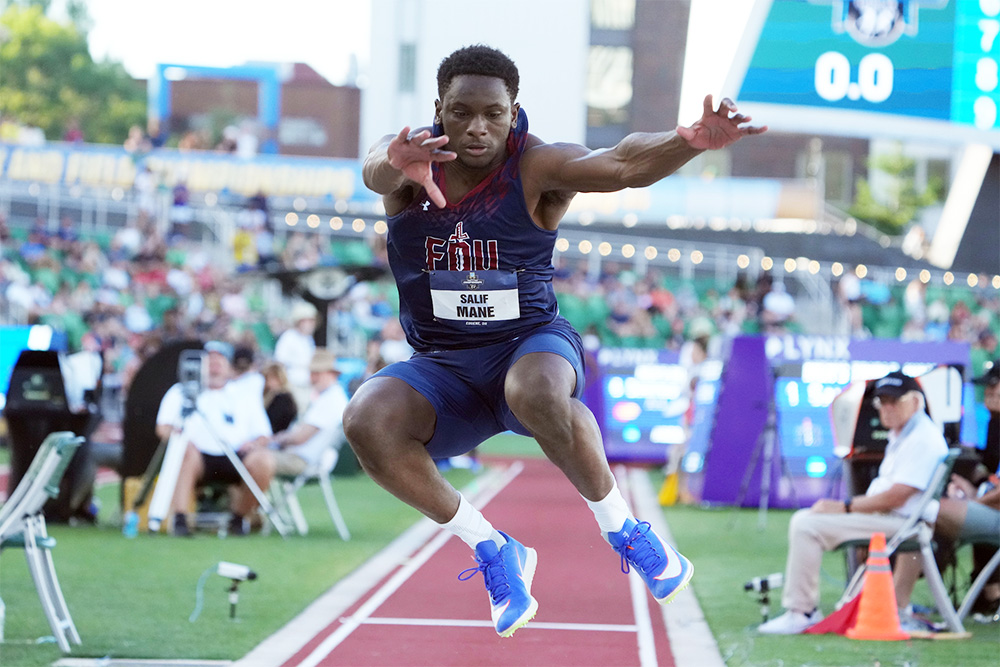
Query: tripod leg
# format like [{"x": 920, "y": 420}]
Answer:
[
  {"x": 261, "y": 497},
  {"x": 765, "y": 476},
  {"x": 748, "y": 473},
  {"x": 149, "y": 477},
  {"x": 159, "y": 506}
]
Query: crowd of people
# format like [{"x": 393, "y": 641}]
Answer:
[{"x": 129, "y": 292}]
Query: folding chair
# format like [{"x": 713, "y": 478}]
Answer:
[
  {"x": 984, "y": 575},
  {"x": 284, "y": 491},
  {"x": 22, "y": 524},
  {"x": 917, "y": 535}
]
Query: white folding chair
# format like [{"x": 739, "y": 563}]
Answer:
[
  {"x": 984, "y": 575},
  {"x": 917, "y": 535},
  {"x": 285, "y": 492},
  {"x": 22, "y": 524}
]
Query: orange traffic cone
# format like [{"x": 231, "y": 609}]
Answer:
[{"x": 878, "y": 617}]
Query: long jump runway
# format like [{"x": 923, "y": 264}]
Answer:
[{"x": 406, "y": 606}]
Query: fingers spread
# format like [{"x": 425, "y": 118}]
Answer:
[{"x": 707, "y": 104}]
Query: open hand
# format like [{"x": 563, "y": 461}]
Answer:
[
  {"x": 413, "y": 156},
  {"x": 718, "y": 129}
]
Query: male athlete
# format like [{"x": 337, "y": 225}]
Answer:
[{"x": 473, "y": 204}]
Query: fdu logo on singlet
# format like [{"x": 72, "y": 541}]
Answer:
[
  {"x": 467, "y": 287},
  {"x": 458, "y": 252}
]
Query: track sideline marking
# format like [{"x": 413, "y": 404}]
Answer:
[
  {"x": 637, "y": 588},
  {"x": 282, "y": 646},
  {"x": 465, "y": 623},
  {"x": 399, "y": 578},
  {"x": 691, "y": 640}
]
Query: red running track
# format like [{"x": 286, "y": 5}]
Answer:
[{"x": 589, "y": 613}]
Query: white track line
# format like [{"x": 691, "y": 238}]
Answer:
[
  {"x": 290, "y": 639},
  {"x": 691, "y": 641},
  {"x": 400, "y": 577},
  {"x": 465, "y": 623},
  {"x": 637, "y": 588}
]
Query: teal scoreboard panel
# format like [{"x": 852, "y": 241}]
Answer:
[{"x": 865, "y": 67}]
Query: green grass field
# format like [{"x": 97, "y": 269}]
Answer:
[{"x": 133, "y": 598}]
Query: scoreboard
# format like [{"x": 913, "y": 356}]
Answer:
[{"x": 907, "y": 68}]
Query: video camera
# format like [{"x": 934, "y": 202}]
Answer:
[
  {"x": 763, "y": 587},
  {"x": 191, "y": 373},
  {"x": 765, "y": 584}
]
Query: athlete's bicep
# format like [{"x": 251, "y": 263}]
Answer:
[{"x": 572, "y": 168}]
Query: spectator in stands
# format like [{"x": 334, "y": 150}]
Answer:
[
  {"x": 295, "y": 348},
  {"x": 181, "y": 213},
  {"x": 247, "y": 380},
  {"x": 145, "y": 191},
  {"x": 915, "y": 447},
  {"x": 777, "y": 309},
  {"x": 156, "y": 134},
  {"x": 247, "y": 141},
  {"x": 223, "y": 418},
  {"x": 321, "y": 426},
  {"x": 137, "y": 143},
  {"x": 73, "y": 133},
  {"x": 228, "y": 142},
  {"x": 278, "y": 400}
]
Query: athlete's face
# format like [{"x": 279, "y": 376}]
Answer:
[{"x": 477, "y": 115}]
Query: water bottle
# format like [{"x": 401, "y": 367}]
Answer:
[{"x": 130, "y": 528}]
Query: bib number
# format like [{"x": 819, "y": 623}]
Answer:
[{"x": 474, "y": 298}]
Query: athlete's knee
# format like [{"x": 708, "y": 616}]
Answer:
[
  {"x": 358, "y": 424},
  {"x": 539, "y": 396}
]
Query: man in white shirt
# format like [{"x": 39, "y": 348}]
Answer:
[
  {"x": 294, "y": 349},
  {"x": 221, "y": 415},
  {"x": 322, "y": 425},
  {"x": 915, "y": 447}
]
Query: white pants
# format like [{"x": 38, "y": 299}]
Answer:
[{"x": 809, "y": 535}]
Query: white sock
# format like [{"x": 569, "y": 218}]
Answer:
[
  {"x": 611, "y": 512},
  {"x": 471, "y": 526}
]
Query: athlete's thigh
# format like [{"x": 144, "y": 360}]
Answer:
[
  {"x": 549, "y": 364},
  {"x": 462, "y": 419}
]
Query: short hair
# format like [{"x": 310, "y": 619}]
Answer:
[
  {"x": 481, "y": 60},
  {"x": 921, "y": 399}
]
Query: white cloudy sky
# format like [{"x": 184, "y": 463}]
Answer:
[
  {"x": 221, "y": 33},
  {"x": 327, "y": 34}
]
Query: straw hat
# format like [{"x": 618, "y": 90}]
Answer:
[{"x": 323, "y": 360}]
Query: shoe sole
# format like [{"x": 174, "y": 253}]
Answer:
[
  {"x": 529, "y": 613},
  {"x": 684, "y": 584}
]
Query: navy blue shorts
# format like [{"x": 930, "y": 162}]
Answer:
[{"x": 466, "y": 386}]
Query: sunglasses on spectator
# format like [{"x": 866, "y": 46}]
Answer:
[{"x": 887, "y": 401}]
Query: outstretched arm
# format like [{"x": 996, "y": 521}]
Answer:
[
  {"x": 641, "y": 159},
  {"x": 403, "y": 159}
]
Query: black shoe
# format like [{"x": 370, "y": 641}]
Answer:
[
  {"x": 237, "y": 526},
  {"x": 181, "y": 528}
]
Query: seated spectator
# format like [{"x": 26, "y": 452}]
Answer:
[
  {"x": 221, "y": 418},
  {"x": 322, "y": 424},
  {"x": 278, "y": 399},
  {"x": 247, "y": 380},
  {"x": 964, "y": 515},
  {"x": 914, "y": 449}
]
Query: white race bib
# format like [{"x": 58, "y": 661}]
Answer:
[{"x": 474, "y": 298}]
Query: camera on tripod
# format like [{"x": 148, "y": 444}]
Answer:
[
  {"x": 191, "y": 373},
  {"x": 765, "y": 584},
  {"x": 763, "y": 587}
]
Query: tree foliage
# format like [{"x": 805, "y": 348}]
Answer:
[
  {"x": 48, "y": 77},
  {"x": 898, "y": 204}
]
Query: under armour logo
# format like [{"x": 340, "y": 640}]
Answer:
[{"x": 426, "y": 205}]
